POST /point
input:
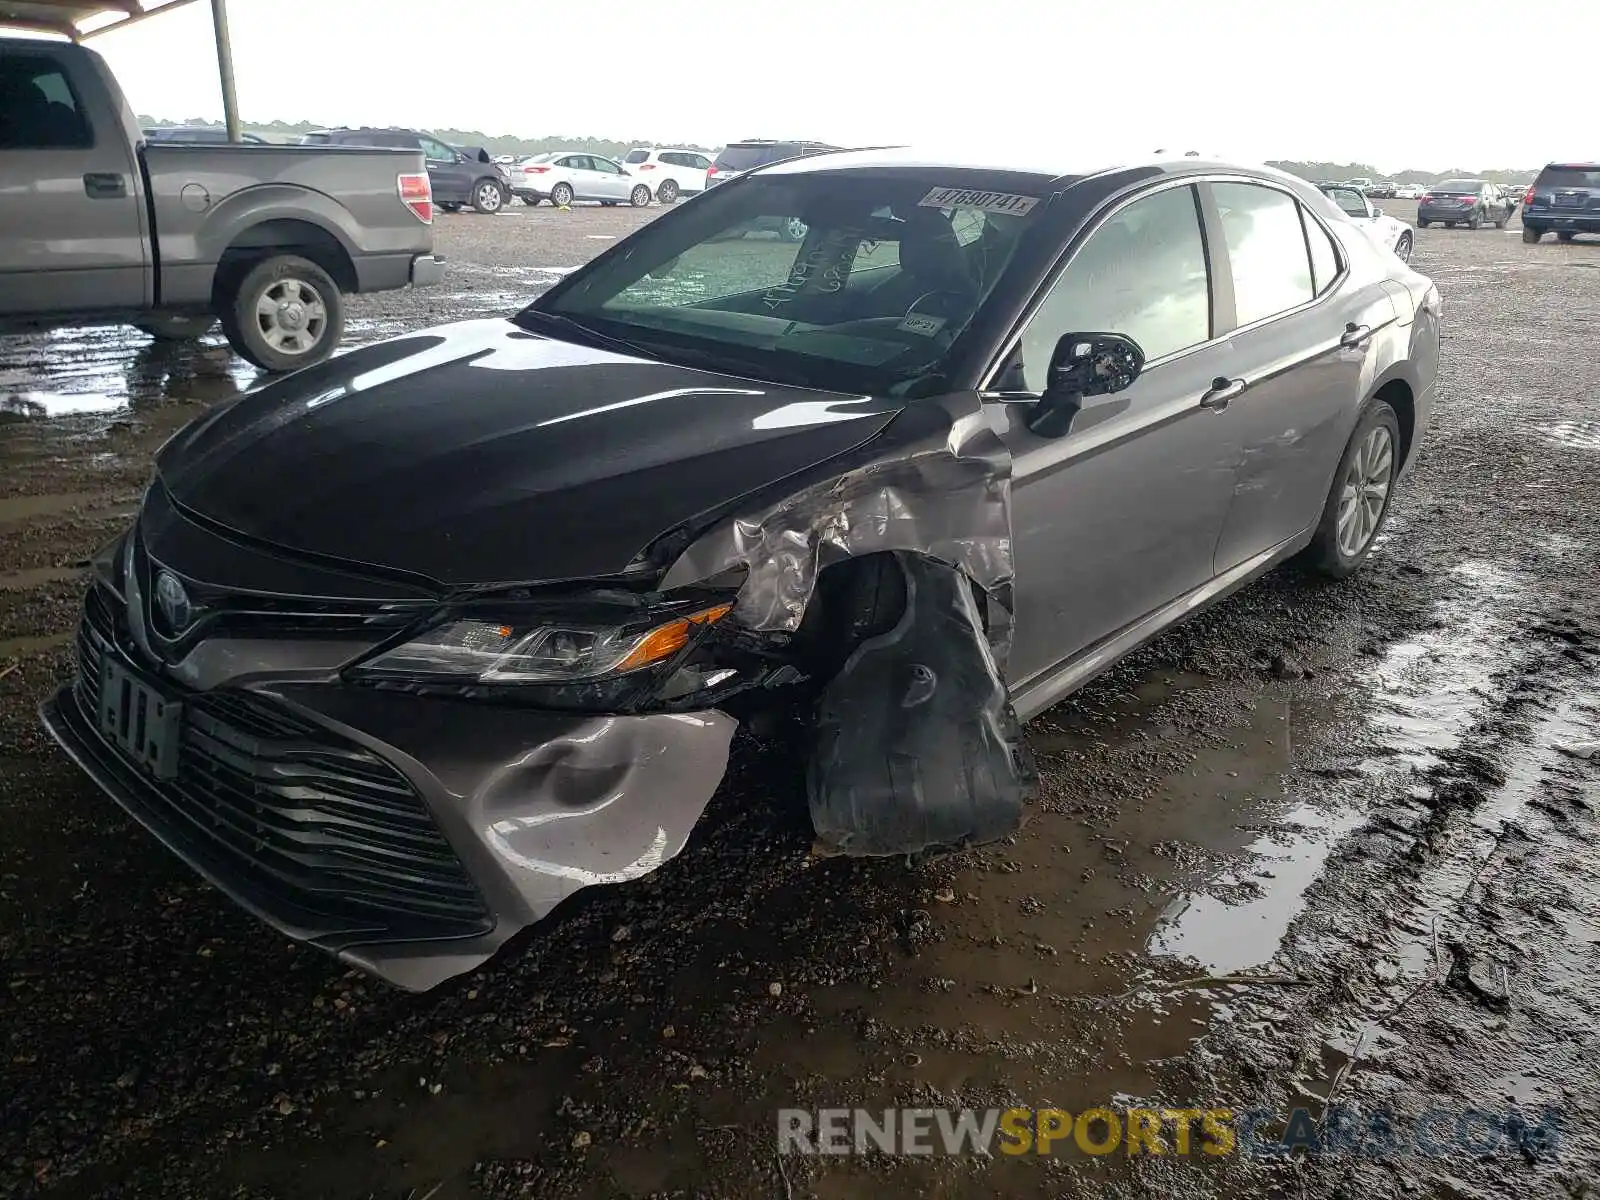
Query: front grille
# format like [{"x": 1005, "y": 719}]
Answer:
[{"x": 318, "y": 830}]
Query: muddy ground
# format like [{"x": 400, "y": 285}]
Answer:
[{"x": 1370, "y": 797}]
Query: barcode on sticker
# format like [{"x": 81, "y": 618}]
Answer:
[{"x": 995, "y": 202}]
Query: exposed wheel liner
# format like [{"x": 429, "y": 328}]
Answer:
[{"x": 918, "y": 747}]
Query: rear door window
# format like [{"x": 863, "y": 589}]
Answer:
[
  {"x": 639, "y": 156},
  {"x": 1266, "y": 248},
  {"x": 1324, "y": 254},
  {"x": 38, "y": 110}
]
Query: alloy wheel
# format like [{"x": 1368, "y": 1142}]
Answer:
[
  {"x": 292, "y": 316},
  {"x": 1365, "y": 491}
]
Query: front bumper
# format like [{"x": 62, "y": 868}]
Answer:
[{"x": 411, "y": 836}]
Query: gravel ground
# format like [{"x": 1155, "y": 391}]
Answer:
[{"x": 1370, "y": 796}]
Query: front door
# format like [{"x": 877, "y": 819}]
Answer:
[
  {"x": 71, "y": 218},
  {"x": 1121, "y": 515},
  {"x": 451, "y": 178},
  {"x": 611, "y": 182}
]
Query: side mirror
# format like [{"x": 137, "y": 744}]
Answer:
[
  {"x": 1083, "y": 365},
  {"x": 1376, "y": 211}
]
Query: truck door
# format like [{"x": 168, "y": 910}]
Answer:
[{"x": 69, "y": 193}]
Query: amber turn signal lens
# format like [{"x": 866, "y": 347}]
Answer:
[{"x": 666, "y": 640}]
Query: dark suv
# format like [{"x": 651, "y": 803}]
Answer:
[
  {"x": 459, "y": 177},
  {"x": 1564, "y": 200},
  {"x": 738, "y": 157}
]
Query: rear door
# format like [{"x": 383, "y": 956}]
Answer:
[
  {"x": 1294, "y": 303},
  {"x": 578, "y": 171},
  {"x": 72, "y": 228},
  {"x": 611, "y": 182}
]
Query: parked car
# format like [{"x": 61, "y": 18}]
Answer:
[
  {"x": 206, "y": 134},
  {"x": 916, "y": 479},
  {"x": 1382, "y": 190},
  {"x": 670, "y": 173},
  {"x": 565, "y": 176},
  {"x": 1360, "y": 182},
  {"x": 1564, "y": 200},
  {"x": 1408, "y": 191},
  {"x": 102, "y": 225},
  {"x": 1469, "y": 202},
  {"x": 736, "y": 158},
  {"x": 459, "y": 177},
  {"x": 1390, "y": 233}
]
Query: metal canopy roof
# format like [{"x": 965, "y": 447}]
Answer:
[{"x": 78, "y": 19}]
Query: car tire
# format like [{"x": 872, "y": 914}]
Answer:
[
  {"x": 561, "y": 195},
  {"x": 640, "y": 196},
  {"x": 488, "y": 196},
  {"x": 667, "y": 193},
  {"x": 1565, "y": 235},
  {"x": 1531, "y": 235},
  {"x": 173, "y": 327},
  {"x": 449, "y": 206},
  {"x": 1475, "y": 222},
  {"x": 1336, "y": 550},
  {"x": 531, "y": 201},
  {"x": 1402, "y": 248},
  {"x": 259, "y": 335},
  {"x": 1423, "y": 224},
  {"x": 1500, "y": 221}
]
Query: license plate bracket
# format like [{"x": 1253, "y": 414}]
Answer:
[{"x": 139, "y": 718}]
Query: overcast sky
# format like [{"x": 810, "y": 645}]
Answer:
[{"x": 1402, "y": 84}]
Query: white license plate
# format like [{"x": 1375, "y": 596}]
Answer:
[{"x": 139, "y": 719}]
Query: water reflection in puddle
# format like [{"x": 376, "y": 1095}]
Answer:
[
  {"x": 1580, "y": 435},
  {"x": 1426, "y": 693}
]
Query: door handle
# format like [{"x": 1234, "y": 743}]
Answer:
[
  {"x": 1354, "y": 335},
  {"x": 1223, "y": 391},
  {"x": 105, "y": 185}
]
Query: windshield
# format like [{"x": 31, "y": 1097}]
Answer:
[
  {"x": 849, "y": 282},
  {"x": 1569, "y": 177},
  {"x": 1472, "y": 186}
]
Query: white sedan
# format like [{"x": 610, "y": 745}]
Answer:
[
  {"x": 565, "y": 176},
  {"x": 1389, "y": 232},
  {"x": 670, "y": 172}
]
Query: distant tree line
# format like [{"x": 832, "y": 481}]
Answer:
[
  {"x": 1342, "y": 171},
  {"x": 505, "y": 143}
]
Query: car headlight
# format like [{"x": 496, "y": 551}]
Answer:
[{"x": 487, "y": 652}]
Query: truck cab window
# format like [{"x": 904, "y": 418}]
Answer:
[{"x": 37, "y": 108}]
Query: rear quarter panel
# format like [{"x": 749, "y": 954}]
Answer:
[{"x": 205, "y": 197}]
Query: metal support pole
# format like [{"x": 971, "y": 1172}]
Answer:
[{"x": 230, "y": 102}]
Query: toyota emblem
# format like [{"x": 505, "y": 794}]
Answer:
[{"x": 172, "y": 602}]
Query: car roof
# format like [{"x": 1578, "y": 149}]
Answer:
[
  {"x": 1054, "y": 167},
  {"x": 1572, "y": 166}
]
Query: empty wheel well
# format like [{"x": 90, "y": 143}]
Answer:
[
  {"x": 1398, "y": 393},
  {"x": 286, "y": 237}
]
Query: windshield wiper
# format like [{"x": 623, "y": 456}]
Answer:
[{"x": 589, "y": 334}]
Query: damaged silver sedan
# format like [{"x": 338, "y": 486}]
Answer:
[{"x": 405, "y": 648}]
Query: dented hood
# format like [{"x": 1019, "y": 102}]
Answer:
[{"x": 481, "y": 453}]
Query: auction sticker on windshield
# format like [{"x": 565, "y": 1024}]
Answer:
[{"x": 995, "y": 202}]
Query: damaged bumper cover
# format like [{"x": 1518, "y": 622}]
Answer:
[{"x": 412, "y": 830}]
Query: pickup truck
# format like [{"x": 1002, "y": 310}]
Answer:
[{"x": 104, "y": 226}]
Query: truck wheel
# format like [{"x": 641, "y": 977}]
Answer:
[
  {"x": 667, "y": 193},
  {"x": 171, "y": 327},
  {"x": 488, "y": 197},
  {"x": 284, "y": 313}
]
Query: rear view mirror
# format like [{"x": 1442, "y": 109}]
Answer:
[{"x": 1083, "y": 365}]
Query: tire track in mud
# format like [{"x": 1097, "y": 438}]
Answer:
[{"x": 1452, "y": 938}]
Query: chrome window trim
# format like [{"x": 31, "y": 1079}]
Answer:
[{"x": 1010, "y": 344}]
